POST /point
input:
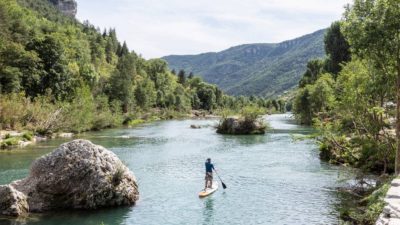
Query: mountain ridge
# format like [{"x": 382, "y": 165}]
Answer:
[{"x": 264, "y": 69}]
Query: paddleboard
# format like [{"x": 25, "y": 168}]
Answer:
[{"x": 209, "y": 191}]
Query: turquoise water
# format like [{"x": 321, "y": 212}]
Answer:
[{"x": 272, "y": 178}]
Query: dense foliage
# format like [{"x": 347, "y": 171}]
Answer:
[
  {"x": 353, "y": 96},
  {"x": 255, "y": 69},
  {"x": 59, "y": 74}
]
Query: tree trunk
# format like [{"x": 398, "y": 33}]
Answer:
[{"x": 397, "y": 164}]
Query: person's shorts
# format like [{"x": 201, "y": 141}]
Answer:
[{"x": 209, "y": 176}]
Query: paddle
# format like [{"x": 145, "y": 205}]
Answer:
[{"x": 223, "y": 185}]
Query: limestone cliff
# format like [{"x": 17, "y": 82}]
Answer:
[{"x": 68, "y": 7}]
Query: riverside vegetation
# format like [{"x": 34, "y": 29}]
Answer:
[
  {"x": 58, "y": 74},
  {"x": 350, "y": 97}
]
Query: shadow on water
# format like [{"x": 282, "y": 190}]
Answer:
[
  {"x": 69, "y": 217},
  {"x": 208, "y": 211}
]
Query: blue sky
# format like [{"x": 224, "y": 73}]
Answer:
[{"x": 156, "y": 28}]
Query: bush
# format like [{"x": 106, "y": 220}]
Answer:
[
  {"x": 251, "y": 113},
  {"x": 9, "y": 142},
  {"x": 118, "y": 175},
  {"x": 28, "y": 136},
  {"x": 135, "y": 122}
]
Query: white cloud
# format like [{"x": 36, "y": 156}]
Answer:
[{"x": 156, "y": 28}]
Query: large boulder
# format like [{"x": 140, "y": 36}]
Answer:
[{"x": 78, "y": 175}]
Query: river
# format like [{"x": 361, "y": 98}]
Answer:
[{"x": 272, "y": 178}]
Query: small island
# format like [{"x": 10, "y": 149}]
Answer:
[{"x": 249, "y": 122}]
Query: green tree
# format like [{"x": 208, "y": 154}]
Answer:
[
  {"x": 121, "y": 82},
  {"x": 55, "y": 77},
  {"x": 372, "y": 29},
  {"x": 145, "y": 94},
  {"x": 314, "y": 70},
  {"x": 207, "y": 96},
  {"x": 336, "y": 48},
  {"x": 182, "y": 77}
]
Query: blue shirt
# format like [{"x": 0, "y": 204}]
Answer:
[{"x": 209, "y": 167}]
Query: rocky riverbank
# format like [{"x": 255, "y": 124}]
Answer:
[
  {"x": 12, "y": 139},
  {"x": 77, "y": 175}
]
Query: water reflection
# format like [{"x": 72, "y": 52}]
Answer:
[
  {"x": 73, "y": 217},
  {"x": 208, "y": 211}
]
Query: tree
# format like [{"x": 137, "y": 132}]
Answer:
[
  {"x": 145, "y": 93},
  {"x": 121, "y": 82},
  {"x": 123, "y": 50},
  {"x": 190, "y": 75},
  {"x": 182, "y": 77},
  {"x": 207, "y": 96},
  {"x": 314, "y": 69},
  {"x": 302, "y": 106},
  {"x": 55, "y": 77},
  {"x": 336, "y": 48},
  {"x": 372, "y": 29},
  {"x": 275, "y": 104}
]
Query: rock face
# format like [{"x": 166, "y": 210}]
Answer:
[
  {"x": 68, "y": 7},
  {"x": 391, "y": 212},
  {"x": 240, "y": 126},
  {"x": 77, "y": 175}
]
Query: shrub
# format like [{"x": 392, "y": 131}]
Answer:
[
  {"x": 135, "y": 122},
  {"x": 9, "y": 142},
  {"x": 251, "y": 113},
  {"x": 28, "y": 136},
  {"x": 118, "y": 175}
]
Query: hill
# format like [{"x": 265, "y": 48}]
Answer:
[
  {"x": 255, "y": 69},
  {"x": 60, "y": 75}
]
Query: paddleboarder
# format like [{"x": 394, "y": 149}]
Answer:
[{"x": 209, "y": 174}]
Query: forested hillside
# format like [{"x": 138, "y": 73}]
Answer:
[
  {"x": 59, "y": 74},
  {"x": 255, "y": 69}
]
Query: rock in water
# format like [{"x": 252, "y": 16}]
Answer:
[
  {"x": 68, "y": 7},
  {"x": 78, "y": 175},
  {"x": 241, "y": 126}
]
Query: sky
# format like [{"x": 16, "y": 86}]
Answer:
[{"x": 156, "y": 28}]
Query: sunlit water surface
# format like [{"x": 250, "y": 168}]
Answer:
[{"x": 272, "y": 178}]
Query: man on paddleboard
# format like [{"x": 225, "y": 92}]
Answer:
[{"x": 209, "y": 173}]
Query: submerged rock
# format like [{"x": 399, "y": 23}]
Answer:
[{"x": 78, "y": 175}]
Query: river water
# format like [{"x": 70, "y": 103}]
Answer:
[{"x": 272, "y": 178}]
